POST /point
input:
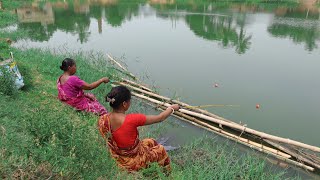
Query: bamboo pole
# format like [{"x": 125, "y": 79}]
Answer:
[
  {"x": 175, "y": 101},
  {"x": 312, "y": 157},
  {"x": 123, "y": 68},
  {"x": 298, "y": 164},
  {"x": 297, "y": 156},
  {"x": 116, "y": 62},
  {"x": 136, "y": 84},
  {"x": 219, "y": 132},
  {"x": 122, "y": 72},
  {"x": 236, "y": 126}
]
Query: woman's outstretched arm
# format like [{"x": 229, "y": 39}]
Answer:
[
  {"x": 93, "y": 85},
  {"x": 151, "y": 119}
]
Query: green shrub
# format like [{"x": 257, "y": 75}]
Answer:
[
  {"x": 7, "y": 86},
  {"x": 4, "y": 45}
]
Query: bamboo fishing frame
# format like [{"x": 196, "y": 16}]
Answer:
[
  {"x": 227, "y": 123},
  {"x": 236, "y": 138},
  {"x": 275, "y": 153},
  {"x": 282, "y": 158}
]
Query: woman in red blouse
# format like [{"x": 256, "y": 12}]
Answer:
[{"x": 120, "y": 131}]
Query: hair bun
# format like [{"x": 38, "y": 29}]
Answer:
[{"x": 66, "y": 63}]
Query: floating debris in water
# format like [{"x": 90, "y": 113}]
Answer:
[
  {"x": 216, "y": 85},
  {"x": 257, "y": 106}
]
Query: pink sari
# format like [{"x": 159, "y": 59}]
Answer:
[{"x": 71, "y": 93}]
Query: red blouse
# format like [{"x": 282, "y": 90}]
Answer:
[{"x": 127, "y": 133}]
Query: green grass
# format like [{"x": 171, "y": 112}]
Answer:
[
  {"x": 205, "y": 159},
  {"x": 42, "y": 138},
  {"x": 41, "y": 134},
  {"x": 7, "y": 19}
]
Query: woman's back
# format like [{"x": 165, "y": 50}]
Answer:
[
  {"x": 124, "y": 129},
  {"x": 71, "y": 85}
]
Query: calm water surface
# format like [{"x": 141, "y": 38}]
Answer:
[{"x": 266, "y": 54}]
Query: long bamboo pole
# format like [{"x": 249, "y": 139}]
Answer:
[
  {"x": 236, "y": 126},
  {"x": 123, "y": 68},
  {"x": 136, "y": 84},
  {"x": 296, "y": 155},
  {"x": 311, "y": 157},
  {"x": 195, "y": 122},
  {"x": 116, "y": 62}
]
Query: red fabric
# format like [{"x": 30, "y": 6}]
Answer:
[{"x": 126, "y": 135}]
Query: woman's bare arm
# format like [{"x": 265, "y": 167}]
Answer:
[
  {"x": 151, "y": 119},
  {"x": 93, "y": 85}
]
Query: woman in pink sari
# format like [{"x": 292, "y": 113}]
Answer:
[{"x": 70, "y": 90}]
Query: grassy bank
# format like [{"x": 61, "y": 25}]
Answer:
[{"x": 42, "y": 138}]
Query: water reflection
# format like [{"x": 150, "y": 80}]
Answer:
[
  {"x": 225, "y": 23},
  {"x": 301, "y": 25},
  {"x": 221, "y": 29},
  {"x": 42, "y": 22},
  {"x": 212, "y": 22},
  {"x": 118, "y": 13},
  {"x": 36, "y": 15}
]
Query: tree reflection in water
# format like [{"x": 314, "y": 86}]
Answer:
[
  {"x": 222, "y": 29},
  {"x": 298, "y": 34},
  {"x": 224, "y": 22},
  {"x": 302, "y": 26}
]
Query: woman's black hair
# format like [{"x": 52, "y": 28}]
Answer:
[
  {"x": 117, "y": 96},
  {"x": 66, "y": 63}
]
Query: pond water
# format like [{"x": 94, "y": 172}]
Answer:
[{"x": 263, "y": 54}]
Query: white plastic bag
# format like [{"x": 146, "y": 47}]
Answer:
[{"x": 12, "y": 67}]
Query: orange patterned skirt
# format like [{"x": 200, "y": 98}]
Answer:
[{"x": 137, "y": 157}]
